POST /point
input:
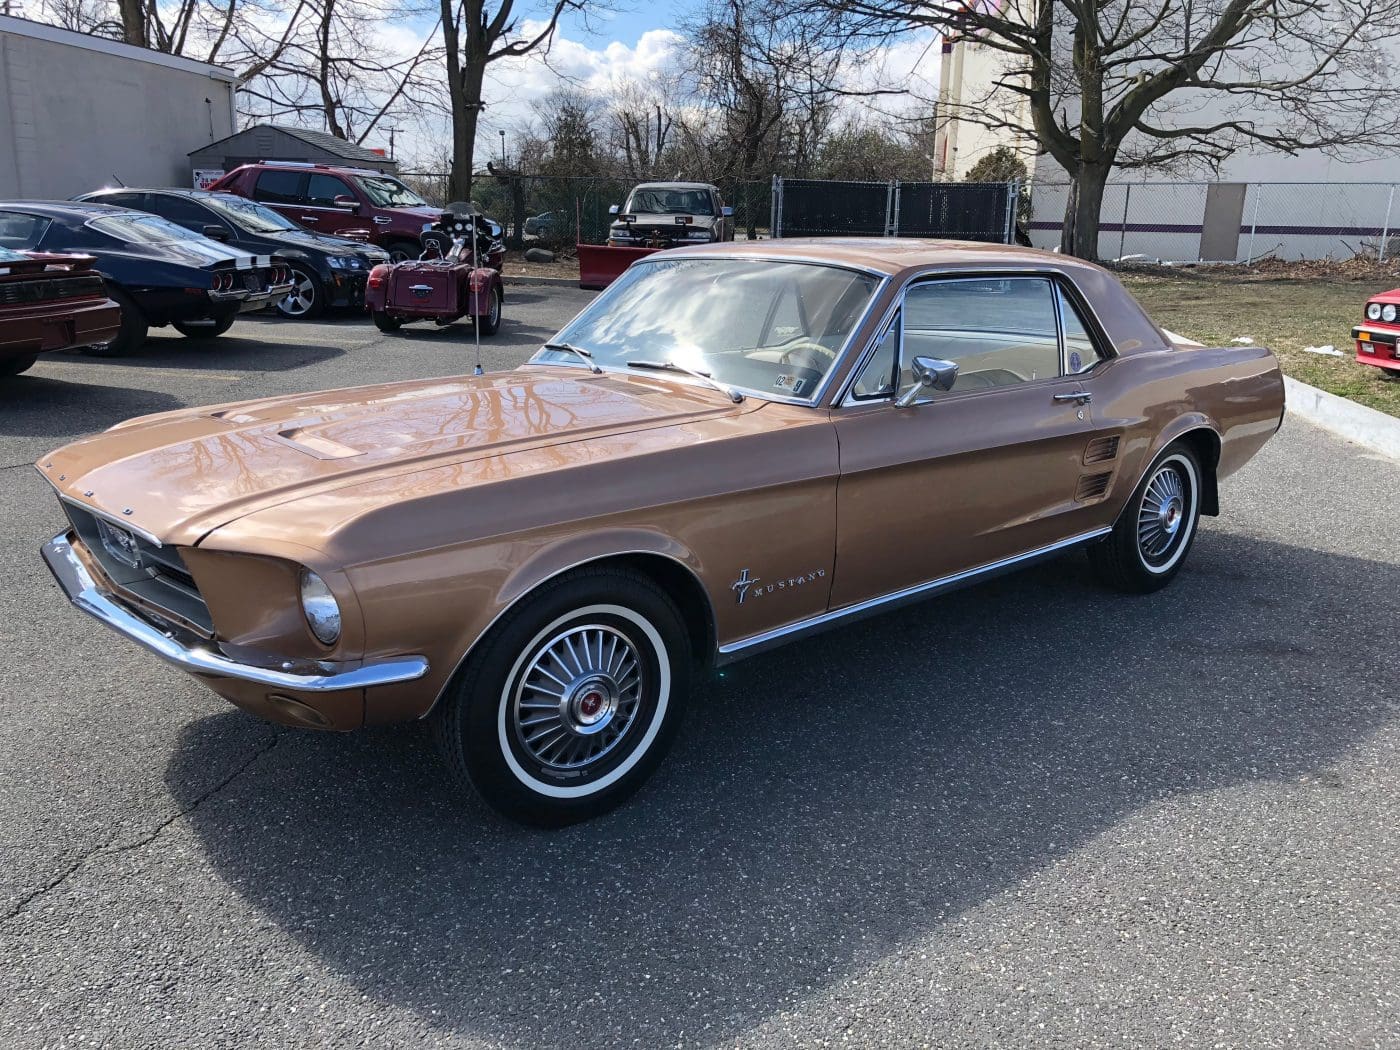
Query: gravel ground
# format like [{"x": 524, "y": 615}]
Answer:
[{"x": 1031, "y": 813}]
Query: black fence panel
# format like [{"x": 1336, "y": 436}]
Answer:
[
  {"x": 815, "y": 208},
  {"x": 962, "y": 211}
]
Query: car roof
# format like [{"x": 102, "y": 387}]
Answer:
[
  {"x": 887, "y": 255},
  {"x": 178, "y": 191},
  {"x": 674, "y": 186},
  {"x": 76, "y": 211}
]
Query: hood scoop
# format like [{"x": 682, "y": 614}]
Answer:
[{"x": 305, "y": 440}]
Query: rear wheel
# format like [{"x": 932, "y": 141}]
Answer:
[
  {"x": 13, "y": 366},
  {"x": 204, "y": 329},
  {"x": 1154, "y": 533},
  {"x": 131, "y": 332},
  {"x": 490, "y": 323},
  {"x": 305, "y": 300},
  {"x": 568, "y": 705},
  {"x": 385, "y": 323}
]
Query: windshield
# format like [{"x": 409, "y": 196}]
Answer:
[
  {"x": 253, "y": 217},
  {"x": 669, "y": 202},
  {"x": 390, "y": 193},
  {"x": 772, "y": 328},
  {"x": 141, "y": 229}
]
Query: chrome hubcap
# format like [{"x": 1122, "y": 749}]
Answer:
[
  {"x": 578, "y": 697},
  {"x": 1162, "y": 513},
  {"x": 302, "y": 294}
]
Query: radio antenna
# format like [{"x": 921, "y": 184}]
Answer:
[{"x": 476, "y": 317}]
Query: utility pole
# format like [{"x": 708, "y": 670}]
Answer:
[
  {"x": 392, "y": 133},
  {"x": 503, "y": 148}
]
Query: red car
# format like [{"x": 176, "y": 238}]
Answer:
[
  {"x": 1378, "y": 337},
  {"x": 443, "y": 285},
  {"x": 342, "y": 201},
  {"x": 50, "y": 302}
]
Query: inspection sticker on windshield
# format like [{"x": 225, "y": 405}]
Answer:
[{"x": 793, "y": 384}]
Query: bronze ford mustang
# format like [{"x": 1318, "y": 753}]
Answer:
[{"x": 733, "y": 447}]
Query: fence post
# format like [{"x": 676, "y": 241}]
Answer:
[
  {"x": 1123, "y": 226},
  {"x": 1013, "y": 197},
  {"x": 775, "y": 208},
  {"x": 894, "y": 214},
  {"x": 1253, "y": 221},
  {"x": 1385, "y": 227}
]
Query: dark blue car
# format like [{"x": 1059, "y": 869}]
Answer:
[
  {"x": 326, "y": 270},
  {"x": 159, "y": 273}
]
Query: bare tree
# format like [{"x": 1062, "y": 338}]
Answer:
[
  {"x": 1102, "y": 85},
  {"x": 642, "y": 121},
  {"x": 474, "y": 38}
]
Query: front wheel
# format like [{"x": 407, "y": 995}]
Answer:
[
  {"x": 1153, "y": 534},
  {"x": 568, "y": 705},
  {"x": 399, "y": 251},
  {"x": 305, "y": 301},
  {"x": 214, "y": 326}
]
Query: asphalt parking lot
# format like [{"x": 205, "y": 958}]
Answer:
[{"x": 1032, "y": 813}]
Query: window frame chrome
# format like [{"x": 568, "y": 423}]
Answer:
[{"x": 1059, "y": 280}]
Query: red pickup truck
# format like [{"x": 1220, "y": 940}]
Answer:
[
  {"x": 1378, "y": 337},
  {"x": 50, "y": 302}
]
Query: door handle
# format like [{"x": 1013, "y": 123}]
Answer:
[
  {"x": 309, "y": 218},
  {"x": 1082, "y": 397}
]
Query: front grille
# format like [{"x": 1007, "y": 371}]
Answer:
[
  {"x": 47, "y": 289},
  {"x": 151, "y": 577}
]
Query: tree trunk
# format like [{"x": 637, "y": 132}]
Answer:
[
  {"x": 133, "y": 22},
  {"x": 1080, "y": 235}
]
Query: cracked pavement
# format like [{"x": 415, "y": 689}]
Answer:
[{"x": 1027, "y": 813}]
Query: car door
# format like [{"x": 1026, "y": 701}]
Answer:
[
  {"x": 987, "y": 471},
  {"x": 321, "y": 212}
]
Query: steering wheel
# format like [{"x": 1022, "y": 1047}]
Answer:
[{"x": 808, "y": 347}]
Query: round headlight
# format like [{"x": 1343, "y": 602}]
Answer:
[
  {"x": 1373, "y": 311},
  {"x": 321, "y": 609},
  {"x": 1388, "y": 312}
]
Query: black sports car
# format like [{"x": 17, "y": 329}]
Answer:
[
  {"x": 326, "y": 270},
  {"x": 159, "y": 273}
]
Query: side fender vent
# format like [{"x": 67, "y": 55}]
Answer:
[
  {"x": 1101, "y": 450},
  {"x": 1092, "y": 487}
]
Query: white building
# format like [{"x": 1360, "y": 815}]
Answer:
[
  {"x": 78, "y": 112},
  {"x": 1308, "y": 205}
]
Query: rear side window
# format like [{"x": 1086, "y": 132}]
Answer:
[
  {"x": 279, "y": 187},
  {"x": 1081, "y": 352},
  {"x": 19, "y": 230},
  {"x": 998, "y": 330}
]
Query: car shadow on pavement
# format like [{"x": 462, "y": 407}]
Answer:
[
  {"x": 241, "y": 350},
  {"x": 32, "y": 405},
  {"x": 825, "y": 804}
]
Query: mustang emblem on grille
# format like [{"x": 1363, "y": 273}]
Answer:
[{"x": 120, "y": 544}]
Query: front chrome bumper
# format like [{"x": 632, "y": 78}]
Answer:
[{"x": 84, "y": 592}]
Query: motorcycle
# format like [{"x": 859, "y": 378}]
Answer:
[{"x": 452, "y": 279}]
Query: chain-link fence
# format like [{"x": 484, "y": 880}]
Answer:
[
  {"x": 557, "y": 212},
  {"x": 1232, "y": 221},
  {"x": 966, "y": 211}
]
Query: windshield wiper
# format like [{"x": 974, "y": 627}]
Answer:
[
  {"x": 586, "y": 355},
  {"x": 672, "y": 366}
]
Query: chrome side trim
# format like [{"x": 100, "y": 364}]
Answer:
[
  {"x": 83, "y": 592},
  {"x": 770, "y": 639}
]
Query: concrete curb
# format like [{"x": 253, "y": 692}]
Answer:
[
  {"x": 557, "y": 282},
  {"x": 1357, "y": 423}
]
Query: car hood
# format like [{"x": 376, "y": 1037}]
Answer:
[
  {"x": 179, "y": 475},
  {"x": 321, "y": 242}
]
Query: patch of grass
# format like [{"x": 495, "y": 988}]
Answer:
[{"x": 1284, "y": 315}]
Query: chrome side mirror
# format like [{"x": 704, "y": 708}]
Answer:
[
  {"x": 928, "y": 372},
  {"x": 727, "y": 211},
  {"x": 613, "y": 209}
]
